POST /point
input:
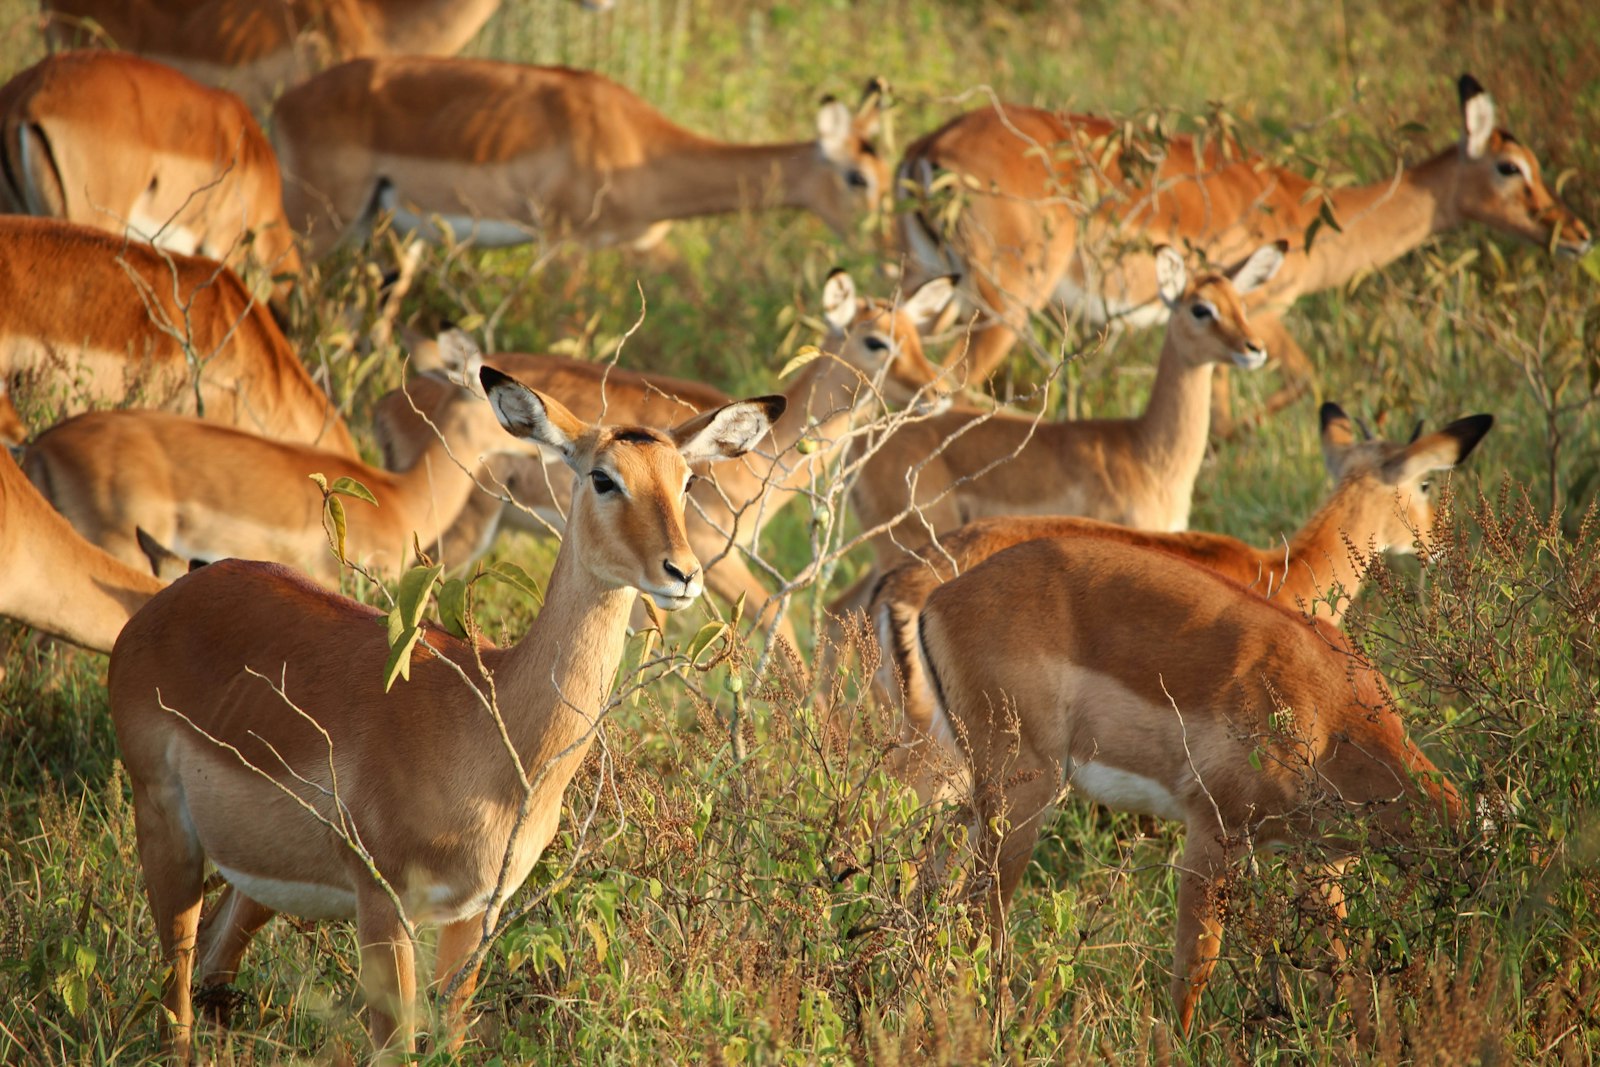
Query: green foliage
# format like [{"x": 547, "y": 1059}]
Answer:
[{"x": 774, "y": 905}]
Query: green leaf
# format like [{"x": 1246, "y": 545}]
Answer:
[
  {"x": 703, "y": 638},
  {"x": 336, "y": 526},
  {"x": 517, "y": 578},
  {"x": 351, "y": 487},
  {"x": 1255, "y": 758},
  {"x": 412, "y": 597},
  {"x": 322, "y": 483},
  {"x": 453, "y": 606},
  {"x": 399, "y": 665}
]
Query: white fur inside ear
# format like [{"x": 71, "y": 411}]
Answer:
[
  {"x": 1256, "y": 271},
  {"x": 734, "y": 430},
  {"x": 1171, "y": 275},
  {"x": 833, "y": 129},
  {"x": 523, "y": 415},
  {"x": 1478, "y": 115},
  {"x": 839, "y": 300},
  {"x": 924, "y": 305}
]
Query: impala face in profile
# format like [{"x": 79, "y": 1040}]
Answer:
[
  {"x": 425, "y": 783},
  {"x": 1152, "y": 685},
  {"x": 126, "y": 145},
  {"x": 1028, "y": 235},
  {"x": 504, "y": 153}
]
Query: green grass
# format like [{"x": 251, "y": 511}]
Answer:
[{"x": 702, "y": 918}]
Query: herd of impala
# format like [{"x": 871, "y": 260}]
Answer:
[{"x": 1180, "y": 674}]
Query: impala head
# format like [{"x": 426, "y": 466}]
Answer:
[
  {"x": 1208, "y": 316},
  {"x": 855, "y": 179},
  {"x": 627, "y": 502},
  {"x": 1500, "y": 184},
  {"x": 1396, "y": 476},
  {"x": 883, "y": 340}
]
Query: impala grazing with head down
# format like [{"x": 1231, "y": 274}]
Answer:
[
  {"x": 1050, "y": 215},
  {"x": 258, "y": 48},
  {"x": 126, "y": 145},
  {"x": 1381, "y": 504},
  {"x": 967, "y": 464},
  {"x": 504, "y": 153},
  {"x": 210, "y": 492},
  {"x": 87, "y": 319},
  {"x": 54, "y": 580},
  {"x": 402, "y": 807},
  {"x": 1155, "y": 686},
  {"x": 870, "y": 360}
]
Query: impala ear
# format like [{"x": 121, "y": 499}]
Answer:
[
  {"x": 1338, "y": 437},
  {"x": 728, "y": 431},
  {"x": 839, "y": 299},
  {"x": 869, "y": 113},
  {"x": 532, "y": 416},
  {"x": 1258, "y": 270},
  {"x": 923, "y": 306},
  {"x": 462, "y": 358},
  {"x": 1172, "y": 277},
  {"x": 1438, "y": 451},
  {"x": 1477, "y": 117},
  {"x": 835, "y": 127}
]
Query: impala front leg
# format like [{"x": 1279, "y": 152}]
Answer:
[
  {"x": 388, "y": 972},
  {"x": 1204, "y": 872},
  {"x": 225, "y": 934},
  {"x": 456, "y": 942}
]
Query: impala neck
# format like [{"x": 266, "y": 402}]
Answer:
[
  {"x": 705, "y": 177},
  {"x": 1171, "y": 434},
  {"x": 1320, "y": 558},
  {"x": 435, "y": 486},
  {"x": 1383, "y": 221},
  {"x": 554, "y": 682},
  {"x": 428, "y": 27}
]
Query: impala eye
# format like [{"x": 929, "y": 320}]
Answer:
[
  {"x": 1425, "y": 486},
  {"x": 875, "y": 343},
  {"x": 1508, "y": 169},
  {"x": 856, "y": 180},
  {"x": 689, "y": 483},
  {"x": 602, "y": 482},
  {"x": 1203, "y": 312}
]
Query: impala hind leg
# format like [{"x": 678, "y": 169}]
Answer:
[
  {"x": 225, "y": 933},
  {"x": 1009, "y": 821},
  {"x": 1204, "y": 872},
  {"x": 174, "y": 881},
  {"x": 388, "y": 971}
]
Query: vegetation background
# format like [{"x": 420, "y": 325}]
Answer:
[{"x": 714, "y": 910}]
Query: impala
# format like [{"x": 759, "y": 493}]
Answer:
[
  {"x": 965, "y": 464},
  {"x": 53, "y": 580},
  {"x": 123, "y": 144},
  {"x": 88, "y": 319},
  {"x": 1155, "y": 686},
  {"x": 208, "y": 492},
  {"x": 502, "y": 153},
  {"x": 1048, "y": 215},
  {"x": 872, "y": 357},
  {"x": 425, "y": 783},
  {"x": 1381, "y": 504},
  {"x": 257, "y": 49}
]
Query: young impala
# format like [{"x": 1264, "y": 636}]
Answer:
[
  {"x": 1380, "y": 504},
  {"x": 126, "y": 145},
  {"x": 55, "y": 581},
  {"x": 872, "y": 358},
  {"x": 424, "y": 784},
  {"x": 209, "y": 492},
  {"x": 88, "y": 319},
  {"x": 1155, "y": 686},
  {"x": 1049, "y": 215},
  {"x": 258, "y": 49},
  {"x": 966, "y": 464},
  {"x": 502, "y": 153}
]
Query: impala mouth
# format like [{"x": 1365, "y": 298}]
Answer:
[
  {"x": 932, "y": 405},
  {"x": 1250, "y": 359},
  {"x": 672, "y": 601},
  {"x": 1574, "y": 249}
]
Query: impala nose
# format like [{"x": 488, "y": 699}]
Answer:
[
  {"x": 1253, "y": 357},
  {"x": 676, "y": 573}
]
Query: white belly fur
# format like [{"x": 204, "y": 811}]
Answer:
[
  {"x": 1125, "y": 791},
  {"x": 304, "y": 899}
]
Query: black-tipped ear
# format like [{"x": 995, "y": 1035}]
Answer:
[
  {"x": 1416, "y": 432},
  {"x": 1468, "y": 87},
  {"x": 491, "y": 377},
  {"x": 1329, "y": 412},
  {"x": 1468, "y": 432}
]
